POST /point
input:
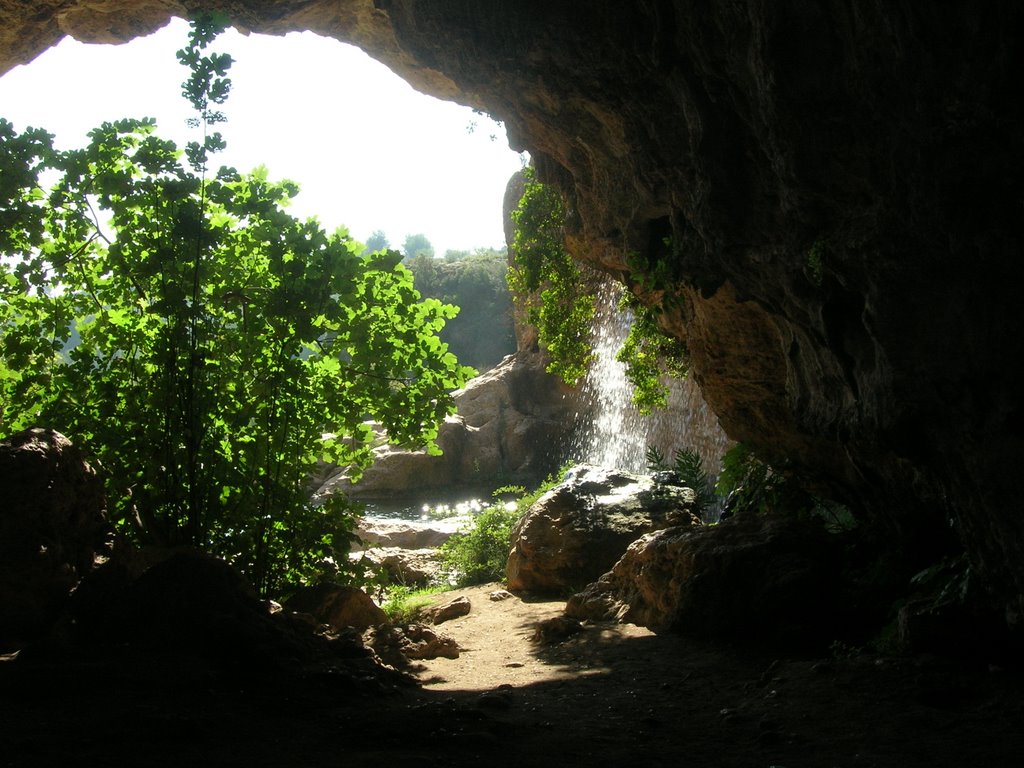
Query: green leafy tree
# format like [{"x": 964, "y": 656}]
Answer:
[
  {"x": 482, "y": 333},
  {"x": 206, "y": 347},
  {"x": 377, "y": 241},
  {"x": 417, "y": 245}
]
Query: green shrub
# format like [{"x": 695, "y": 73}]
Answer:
[
  {"x": 751, "y": 485},
  {"x": 688, "y": 467},
  {"x": 403, "y": 604},
  {"x": 478, "y": 554}
]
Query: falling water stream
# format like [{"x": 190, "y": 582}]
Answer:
[{"x": 611, "y": 432}]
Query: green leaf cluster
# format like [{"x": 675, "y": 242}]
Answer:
[
  {"x": 205, "y": 346},
  {"x": 750, "y": 484},
  {"x": 649, "y": 355},
  {"x": 689, "y": 469},
  {"x": 548, "y": 284}
]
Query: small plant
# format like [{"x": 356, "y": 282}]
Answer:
[
  {"x": 815, "y": 262},
  {"x": 690, "y": 472},
  {"x": 843, "y": 651},
  {"x": 750, "y": 484},
  {"x": 403, "y": 604},
  {"x": 478, "y": 553}
]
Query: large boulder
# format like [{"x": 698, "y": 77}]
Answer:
[
  {"x": 337, "y": 606},
  {"x": 175, "y": 615},
  {"x": 398, "y": 644},
  {"x": 579, "y": 529},
  {"x": 52, "y": 524},
  {"x": 750, "y": 579},
  {"x": 175, "y": 600}
]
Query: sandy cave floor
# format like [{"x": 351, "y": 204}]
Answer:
[{"x": 611, "y": 695}]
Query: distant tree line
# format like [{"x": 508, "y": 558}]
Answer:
[{"x": 475, "y": 281}]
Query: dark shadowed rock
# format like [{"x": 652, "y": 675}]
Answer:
[
  {"x": 337, "y": 606},
  {"x": 52, "y": 523},
  {"x": 397, "y": 645},
  {"x": 750, "y": 580},
  {"x": 579, "y": 529}
]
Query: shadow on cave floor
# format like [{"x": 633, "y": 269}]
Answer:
[{"x": 610, "y": 695}]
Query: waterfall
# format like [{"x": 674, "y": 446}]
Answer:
[{"x": 611, "y": 432}]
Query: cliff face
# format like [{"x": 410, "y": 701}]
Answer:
[{"x": 823, "y": 198}]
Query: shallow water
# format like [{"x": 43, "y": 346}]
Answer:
[{"x": 439, "y": 510}]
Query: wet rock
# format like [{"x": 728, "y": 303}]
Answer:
[
  {"x": 579, "y": 529},
  {"x": 750, "y": 580},
  {"x": 52, "y": 524},
  {"x": 337, "y": 606}
]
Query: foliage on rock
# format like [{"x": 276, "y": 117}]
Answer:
[
  {"x": 749, "y": 484},
  {"x": 201, "y": 343},
  {"x": 550, "y": 286},
  {"x": 547, "y": 283},
  {"x": 690, "y": 472},
  {"x": 649, "y": 355}
]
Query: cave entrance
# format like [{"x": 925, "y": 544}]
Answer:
[{"x": 369, "y": 151}]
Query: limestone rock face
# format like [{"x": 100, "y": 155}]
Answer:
[
  {"x": 579, "y": 529},
  {"x": 510, "y": 427},
  {"x": 821, "y": 198},
  {"x": 402, "y": 534},
  {"x": 748, "y": 580},
  {"x": 52, "y": 523}
]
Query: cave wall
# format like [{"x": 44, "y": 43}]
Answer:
[{"x": 828, "y": 194}]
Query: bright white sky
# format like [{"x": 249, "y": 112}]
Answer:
[{"x": 368, "y": 151}]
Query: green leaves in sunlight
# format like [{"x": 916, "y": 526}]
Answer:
[
  {"x": 548, "y": 284},
  {"x": 207, "y": 348}
]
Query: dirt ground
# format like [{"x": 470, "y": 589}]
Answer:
[{"x": 609, "y": 695}]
